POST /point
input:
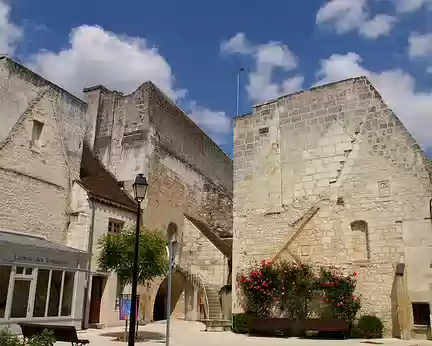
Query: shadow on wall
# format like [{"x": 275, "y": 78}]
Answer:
[{"x": 178, "y": 286}]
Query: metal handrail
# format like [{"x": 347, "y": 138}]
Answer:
[
  {"x": 207, "y": 305},
  {"x": 198, "y": 280}
]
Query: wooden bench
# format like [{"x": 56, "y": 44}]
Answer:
[
  {"x": 287, "y": 327},
  {"x": 326, "y": 325},
  {"x": 211, "y": 325},
  {"x": 61, "y": 333}
]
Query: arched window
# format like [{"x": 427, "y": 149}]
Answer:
[{"x": 360, "y": 240}]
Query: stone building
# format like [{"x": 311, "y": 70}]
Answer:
[
  {"x": 66, "y": 170},
  {"x": 190, "y": 185},
  {"x": 330, "y": 175},
  {"x": 41, "y": 279}
]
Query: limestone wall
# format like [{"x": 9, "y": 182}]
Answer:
[
  {"x": 188, "y": 174},
  {"x": 35, "y": 177},
  {"x": 335, "y": 154}
]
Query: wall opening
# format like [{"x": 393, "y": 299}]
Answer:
[
  {"x": 360, "y": 240},
  {"x": 421, "y": 314},
  {"x": 37, "y": 131}
]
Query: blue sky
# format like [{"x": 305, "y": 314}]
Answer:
[{"x": 193, "y": 49}]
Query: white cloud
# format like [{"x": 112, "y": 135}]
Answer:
[
  {"x": 429, "y": 70},
  {"x": 397, "y": 87},
  {"x": 96, "y": 56},
  {"x": 420, "y": 45},
  {"x": 237, "y": 44},
  {"x": 275, "y": 54},
  {"x": 378, "y": 26},
  {"x": 411, "y": 5},
  {"x": 268, "y": 58},
  {"x": 10, "y": 33},
  {"x": 345, "y": 16},
  {"x": 216, "y": 123}
]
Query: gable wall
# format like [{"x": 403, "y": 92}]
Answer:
[{"x": 336, "y": 141}]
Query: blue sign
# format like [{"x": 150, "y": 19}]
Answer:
[{"x": 125, "y": 308}]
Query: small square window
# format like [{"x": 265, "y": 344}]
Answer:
[
  {"x": 421, "y": 314},
  {"x": 115, "y": 227},
  {"x": 19, "y": 270},
  {"x": 37, "y": 131}
]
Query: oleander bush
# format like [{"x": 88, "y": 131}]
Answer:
[{"x": 290, "y": 290}]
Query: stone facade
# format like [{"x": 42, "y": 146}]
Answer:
[
  {"x": 36, "y": 176},
  {"x": 188, "y": 174},
  {"x": 43, "y": 132},
  {"x": 330, "y": 175},
  {"x": 38, "y": 163}
]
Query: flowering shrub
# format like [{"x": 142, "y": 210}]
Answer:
[
  {"x": 259, "y": 288},
  {"x": 338, "y": 294},
  {"x": 287, "y": 289},
  {"x": 297, "y": 286}
]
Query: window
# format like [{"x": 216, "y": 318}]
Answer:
[
  {"x": 50, "y": 291},
  {"x": 68, "y": 285},
  {"x": 37, "y": 132},
  {"x": 55, "y": 292},
  {"x": 4, "y": 286},
  {"x": 40, "y": 298},
  {"x": 115, "y": 227},
  {"x": 20, "y": 298},
  {"x": 421, "y": 314}
]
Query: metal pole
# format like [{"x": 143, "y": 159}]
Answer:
[
  {"x": 168, "y": 304},
  {"x": 238, "y": 91},
  {"x": 131, "y": 341}
]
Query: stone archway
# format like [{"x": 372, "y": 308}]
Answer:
[{"x": 178, "y": 286}]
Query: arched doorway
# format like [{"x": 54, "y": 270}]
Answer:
[
  {"x": 160, "y": 304},
  {"x": 159, "y": 309}
]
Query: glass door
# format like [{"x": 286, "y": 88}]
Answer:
[
  {"x": 21, "y": 289},
  {"x": 20, "y": 298}
]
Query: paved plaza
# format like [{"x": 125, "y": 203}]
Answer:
[{"x": 193, "y": 334}]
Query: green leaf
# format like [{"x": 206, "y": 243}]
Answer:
[{"x": 117, "y": 254}]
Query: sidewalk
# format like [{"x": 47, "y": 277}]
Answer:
[{"x": 193, "y": 334}]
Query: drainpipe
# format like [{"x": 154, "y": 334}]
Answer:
[{"x": 87, "y": 291}]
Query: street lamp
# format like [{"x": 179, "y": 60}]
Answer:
[
  {"x": 140, "y": 189},
  {"x": 172, "y": 249}
]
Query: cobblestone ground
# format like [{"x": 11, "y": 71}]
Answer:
[{"x": 193, "y": 334}]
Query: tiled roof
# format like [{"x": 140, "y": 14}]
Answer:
[{"x": 100, "y": 184}]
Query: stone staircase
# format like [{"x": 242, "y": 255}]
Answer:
[{"x": 212, "y": 305}]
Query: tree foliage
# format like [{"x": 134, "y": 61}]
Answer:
[{"x": 117, "y": 254}]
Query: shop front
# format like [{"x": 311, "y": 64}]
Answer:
[{"x": 40, "y": 281}]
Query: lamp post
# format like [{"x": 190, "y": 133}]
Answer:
[
  {"x": 172, "y": 248},
  {"x": 140, "y": 189}
]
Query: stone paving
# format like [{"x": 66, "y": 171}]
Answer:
[{"x": 193, "y": 334}]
